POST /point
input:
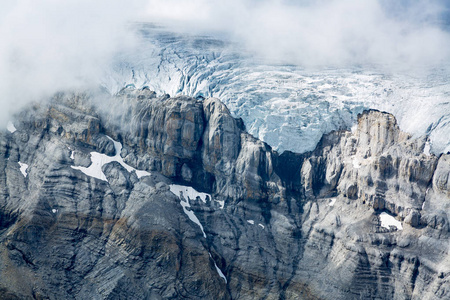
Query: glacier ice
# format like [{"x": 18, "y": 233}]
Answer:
[{"x": 288, "y": 107}]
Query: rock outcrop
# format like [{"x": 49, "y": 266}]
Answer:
[{"x": 363, "y": 216}]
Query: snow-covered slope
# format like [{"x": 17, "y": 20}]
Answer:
[{"x": 285, "y": 106}]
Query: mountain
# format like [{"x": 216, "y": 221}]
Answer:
[
  {"x": 288, "y": 107},
  {"x": 144, "y": 197}
]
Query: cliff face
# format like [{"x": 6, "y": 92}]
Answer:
[{"x": 104, "y": 205}]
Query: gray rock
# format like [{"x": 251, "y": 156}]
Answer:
[{"x": 292, "y": 226}]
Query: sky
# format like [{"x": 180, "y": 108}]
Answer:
[{"x": 53, "y": 45}]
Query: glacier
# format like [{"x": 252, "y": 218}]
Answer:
[{"x": 286, "y": 106}]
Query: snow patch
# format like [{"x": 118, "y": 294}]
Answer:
[
  {"x": 332, "y": 201},
  {"x": 426, "y": 193},
  {"x": 221, "y": 203},
  {"x": 11, "y": 128},
  {"x": 251, "y": 222},
  {"x": 54, "y": 210},
  {"x": 23, "y": 169},
  {"x": 193, "y": 194},
  {"x": 179, "y": 191},
  {"x": 189, "y": 192},
  {"x": 98, "y": 160},
  {"x": 427, "y": 148},
  {"x": 191, "y": 215},
  {"x": 356, "y": 163},
  {"x": 72, "y": 157},
  {"x": 388, "y": 220},
  {"x": 95, "y": 169}
]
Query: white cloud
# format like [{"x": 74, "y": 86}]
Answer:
[
  {"x": 319, "y": 33},
  {"x": 51, "y": 45}
]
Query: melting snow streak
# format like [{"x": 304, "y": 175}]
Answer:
[
  {"x": 185, "y": 193},
  {"x": 219, "y": 271}
]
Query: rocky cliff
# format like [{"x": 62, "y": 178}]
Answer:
[{"x": 144, "y": 197}]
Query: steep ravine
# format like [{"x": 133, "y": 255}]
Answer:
[{"x": 77, "y": 221}]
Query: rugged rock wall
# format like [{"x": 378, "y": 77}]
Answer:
[{"x": 289, "y": 226}]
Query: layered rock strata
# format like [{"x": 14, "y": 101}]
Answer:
[{"x": 363, "y": 216}]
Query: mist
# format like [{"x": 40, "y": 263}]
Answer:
[
  {"x": 323, "y": 33},
  {"x": 50, "y": 45}
]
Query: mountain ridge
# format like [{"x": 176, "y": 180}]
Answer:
[{"x": 289, "y": 224}]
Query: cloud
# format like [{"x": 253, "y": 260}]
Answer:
[
  {"x": 322, "y": 33},
  {"x": 52, "y": 45}
]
